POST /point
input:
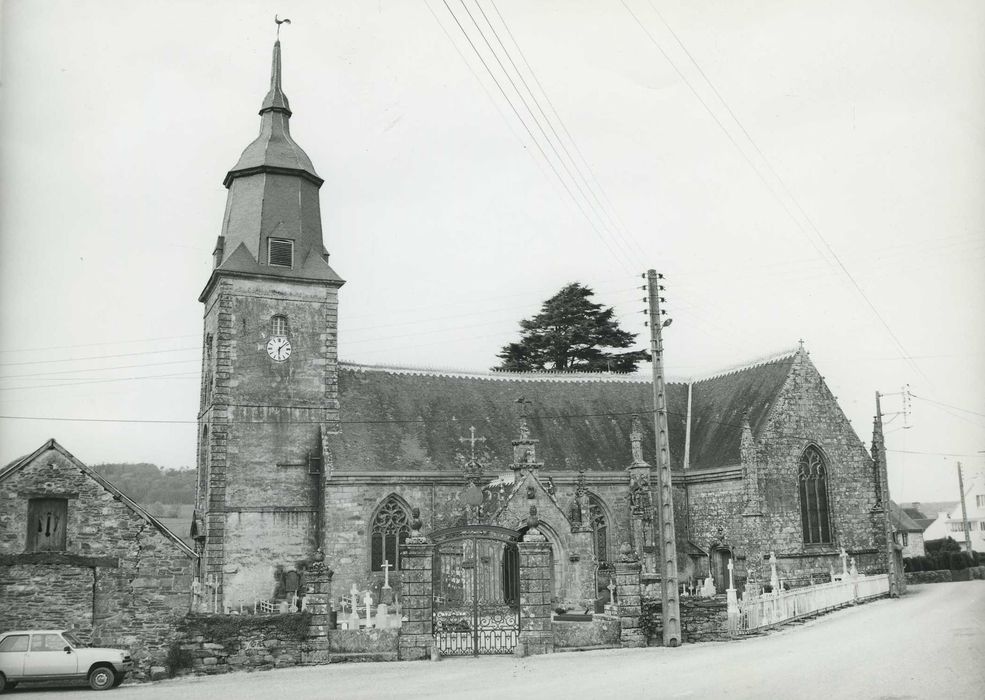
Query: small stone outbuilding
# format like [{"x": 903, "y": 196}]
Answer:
[{"x": 75, "y": 552}]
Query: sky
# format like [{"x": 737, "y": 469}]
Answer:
[{"x": 796, "y": 170}]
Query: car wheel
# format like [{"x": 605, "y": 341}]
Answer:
[
  {"x": 3, "y": 682},
  {"x": 101, "y": 678}
]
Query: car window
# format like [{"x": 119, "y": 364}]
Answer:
[
  {"x": 47, "y": 642},
  {"x": 73, "y": 640},
  {"x": 15, "y": 642}
]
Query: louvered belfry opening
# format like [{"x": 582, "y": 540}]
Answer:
[
  {"x": 280, "y": 252},
  {"x": 814, "y": 497}
]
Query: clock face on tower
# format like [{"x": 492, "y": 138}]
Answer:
[{"x": 279, "y": 348}]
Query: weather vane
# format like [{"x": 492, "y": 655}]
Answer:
[{"x": 279, "y": 22}]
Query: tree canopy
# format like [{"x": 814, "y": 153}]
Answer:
[
  {"x": 148, "y": 483},
  {"x": 572, "y": 332}
]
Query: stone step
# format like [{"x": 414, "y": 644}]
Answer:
[{"x": 343, "y": 657}]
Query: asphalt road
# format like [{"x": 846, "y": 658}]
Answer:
[{"x": 928, "y": 644}]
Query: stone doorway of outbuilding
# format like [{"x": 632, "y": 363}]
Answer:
[{"x": 718, "y": 562}]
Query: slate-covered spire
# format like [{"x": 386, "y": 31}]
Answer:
[
  {"x": 276, "y": 99},
  {"x": 274, "y": 148},
  {"x": 272, "y": 223}
]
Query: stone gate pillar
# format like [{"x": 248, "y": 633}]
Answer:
[
  {"x": 628, "y": 598},
  {"x": 318, "y": 578},
  {"x": 416, "y": 560},
  {"x": 536, "y": 632}
]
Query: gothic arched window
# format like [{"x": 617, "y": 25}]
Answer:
[
  {"x": 390, "y": 529},
  {"x": 812, "y": 477},
  {"x": 600, "y": 529}
]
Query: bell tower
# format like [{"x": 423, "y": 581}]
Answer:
[{"x": 269, "y": 365}]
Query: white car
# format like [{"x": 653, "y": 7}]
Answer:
[{"x": 58, "y": 655}]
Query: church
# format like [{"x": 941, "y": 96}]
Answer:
[{"x": 299, "y": 453}]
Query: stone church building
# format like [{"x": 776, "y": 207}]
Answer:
[{"x": 299, "y": 452}]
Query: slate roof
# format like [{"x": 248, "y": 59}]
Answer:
[
  {"x": 925, "y": 513},
  {"x": 18, "y": 464},
  {"x": 412, "y": 419},
  {"x": 901, "y": 519}
]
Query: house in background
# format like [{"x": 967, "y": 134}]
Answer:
[
  {"x": 942, "y": 519},
  {"x": 907, "y": 533},
  {"x": 76, "y": 552}
]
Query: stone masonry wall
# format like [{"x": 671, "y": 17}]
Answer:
[
  {"x": 45, "y": 596},
  {"x": 262, "y": 420},
  {"x": 119, "y": 581},
  {"x": 804, "y": 413},
  {"x": 352, "y": 501}
]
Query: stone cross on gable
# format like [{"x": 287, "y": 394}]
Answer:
[
  {"x": 472, "y": 440},
  {"x": 523, "y": 403},
  {"x": 636, "y": 440}
]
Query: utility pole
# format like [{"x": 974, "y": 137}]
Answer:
[
  {"x": 882, "y": 472},
  {"x": 964, "y": 512},
  {"x": 670, "y": 608}
]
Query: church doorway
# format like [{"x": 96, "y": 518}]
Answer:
[
  {"x": 476, "y": 590},
  {"x": 719, "y": 568}
]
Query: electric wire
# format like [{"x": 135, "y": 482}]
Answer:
[
  {"x": 783, "y": 204},
  {"x": 536, "y": 142}
]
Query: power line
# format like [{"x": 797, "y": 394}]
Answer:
[
  {"x": 564, "y": 128},
  {"x": 625, "y": 236},
  {"x": 83, "y": 382},
  {"x": 770, "y": 168},
  {"x": 526, "y": 127},
  {"x": 97, "y": 369},
  {"x": 947, "y": 405},
  {"x": 455, "y": 419},
  {"x": 96, "y": 357}
]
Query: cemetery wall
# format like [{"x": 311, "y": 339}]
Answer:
[
  {"x": 702, "y": 620},
  {"x": 119, "y": 581},
  {"x": 599, "y": 633},
  {"x": 212, "y": 644}
]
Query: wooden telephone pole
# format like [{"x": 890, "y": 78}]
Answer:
[
  {"x": 964, "y": 512},
  {"x": 882, "y": 474},
  {"x": 671, "y": 608}
]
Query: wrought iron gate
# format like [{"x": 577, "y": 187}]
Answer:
[{"x": 476, "y": 591}]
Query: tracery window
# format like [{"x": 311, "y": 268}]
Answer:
[
  {"x": 600, "y": 529},
  {"x": 814, "y": 497},
  {"x": 46, "y": 521},
  {"x": 390, "y": 529}
]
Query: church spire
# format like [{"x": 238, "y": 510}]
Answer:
[
  {"x": 272, "y": 224},
  {"x": 276, "y": 99}
]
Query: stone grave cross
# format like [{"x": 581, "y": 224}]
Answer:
[
  {"x": 774, "y": 577},
  {"x": 368, "y": 601},
  {"x": 844, "y": 562},
  {"x": 386, "y": 573},
  {"x": 612, "y": 592},
  {"x": 731, "y": 582}
]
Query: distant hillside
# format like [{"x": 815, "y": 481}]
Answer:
[{"x": 149, "y": 484}]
